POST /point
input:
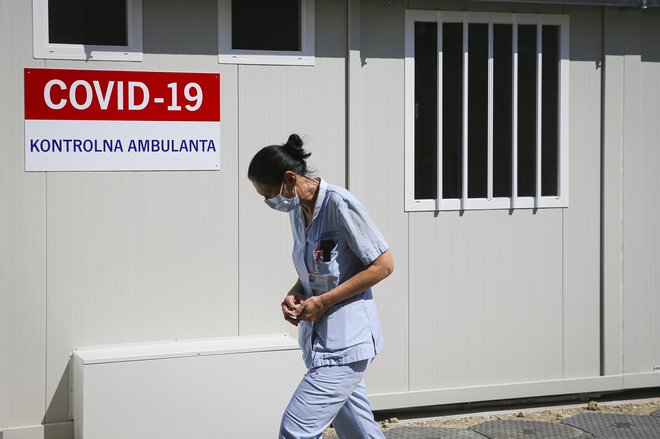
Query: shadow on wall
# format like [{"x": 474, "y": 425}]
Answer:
[
  {"x": 58, "y": 405},
  {"x": 651, "y": 35},
  {"x": 383, "y": 34},
  {"x": 176, "y": 27},
  {"x": 633, "y": 32},
  {"x": 191, "y": 28}
]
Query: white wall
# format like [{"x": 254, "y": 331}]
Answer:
[
  {"x": 22, "y": 236},
  {"x": 493, "y": 297},
  {"x": 641, "y": 205},
  {"x": 276, "y": 101},
  {"x": 483, "y": 305},
  {"x": 631, "y": 333}
]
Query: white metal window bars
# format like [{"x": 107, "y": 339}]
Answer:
[{"x": 466, "y": 203}]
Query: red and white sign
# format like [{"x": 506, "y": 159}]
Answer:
[{"x": 101, "y": 120}]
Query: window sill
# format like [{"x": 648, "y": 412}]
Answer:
[
  {"x": 284, "y": 60},
  {"x": 87, "y": 53},
  {"x": 486, "y": 204}
]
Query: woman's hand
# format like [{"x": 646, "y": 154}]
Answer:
[
  {"x": 313, "y": 308},
  {"x": 291, "y": 306}
]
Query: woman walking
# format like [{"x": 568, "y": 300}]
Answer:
[{"x": 339, "y": 254}]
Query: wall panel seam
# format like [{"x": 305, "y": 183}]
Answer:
[
  {"x": 622, "y": 229},
  {"x": 601, "y": 252},
  {"x": 563, "y": 292},
  {"x": 408, "y": 307},
  {"x": 238, "y": 201},
  {"x": 45, "y": 62},
  {"x": 46, "y": 300}
]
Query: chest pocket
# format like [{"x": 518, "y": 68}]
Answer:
[{"x": 325, "y": 275}]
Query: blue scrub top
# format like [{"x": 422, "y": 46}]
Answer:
[{"x": 349, "y": 331}]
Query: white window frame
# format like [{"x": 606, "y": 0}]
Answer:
[
  {"x": 491, "y": 202},
  {"x": 303, "y": 57},
  {"x": 43, "y": 49}
]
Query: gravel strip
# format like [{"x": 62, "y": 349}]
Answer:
[{"x": 552, "y": 414}]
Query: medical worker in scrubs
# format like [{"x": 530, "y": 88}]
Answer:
[{"x": 339, "y": 255}]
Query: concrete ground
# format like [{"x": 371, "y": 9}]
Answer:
[{"x": 623, "y": 415}]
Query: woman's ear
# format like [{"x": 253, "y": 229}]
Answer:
[
  {"x": 290, "y": 181},
  {"x": 290, "y": 178}
]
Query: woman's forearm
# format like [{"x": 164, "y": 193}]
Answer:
[{"x": 370, "y": 276}]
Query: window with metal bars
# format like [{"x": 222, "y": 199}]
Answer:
[{"x": 486, "y": 111}]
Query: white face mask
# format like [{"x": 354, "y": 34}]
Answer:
[{"x": 278, "y": 202}]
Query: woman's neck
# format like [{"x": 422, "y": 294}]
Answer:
[{"x": 308, "y": 196}]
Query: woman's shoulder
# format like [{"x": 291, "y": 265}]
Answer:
[
  {"x": 342, "y": 199},
  {"x": 337, "y": 194}
]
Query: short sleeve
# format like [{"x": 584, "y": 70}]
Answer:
[{"x": 359, "y": 231}]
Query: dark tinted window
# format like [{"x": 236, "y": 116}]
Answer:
[
  {"x": 452, "y": 110},
  {"x": 526, "y": 110},
  {"x": 101, "y": 23},
  {"x": 502, "y": 109},
  {"x": 266, "y": 25},
  {"x": 426, "y": 110},
  {"x": 550, "y": 111},
  {"x": 477, "y": 110}
]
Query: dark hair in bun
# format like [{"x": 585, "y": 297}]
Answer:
[{"x": 271, "y": 162}]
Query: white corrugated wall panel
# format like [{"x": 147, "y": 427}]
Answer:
[
  {"x": 649, "y": 215},
  {"x": 634, "y": 200},
  {"x": 581, "y": 220},
  {"x": 641, "y": 206},
  {"x": 23, "y": 225},
  {"x": 376, "y": 173},
  {"x": 276, "y": 101},
  {"x": 139, "y": 256},
  {"x": 612, "y": 194},
  {"x": 486, "y": 297},
  {"x": 566, "y": 320},
  {"x": 5, "y": 217}
]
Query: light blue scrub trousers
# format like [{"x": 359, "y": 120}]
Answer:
[{"x": 334, "y": 394}]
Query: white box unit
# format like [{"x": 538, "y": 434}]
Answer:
[{"x": 234, "y": 388}]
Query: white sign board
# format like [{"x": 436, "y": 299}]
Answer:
[{"x": 92, "y": 120}]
